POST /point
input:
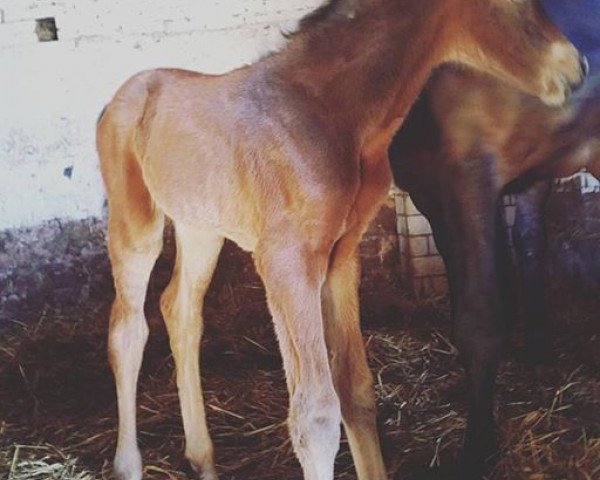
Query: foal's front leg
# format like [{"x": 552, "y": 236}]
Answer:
[{"x": 293, "y": 275}]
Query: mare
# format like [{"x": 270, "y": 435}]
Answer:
[
  {"x": 468, "y": 140},
  {"x": 287, "y": 157}
]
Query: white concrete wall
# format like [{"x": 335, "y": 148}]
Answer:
[{"x": 52, "y": 92}]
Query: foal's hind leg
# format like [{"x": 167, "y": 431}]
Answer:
[
  {"x": 293, "y": 275},
  {"x": 351, "y": 374},
  {"x": 181, "y": 304},
  {"x": 134, "y": 242}
]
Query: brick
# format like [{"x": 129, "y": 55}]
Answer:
[
  {"x": 428, "y": 266},
  {"x": 403, "y": 245},
  {"x": 430, "y": 286},
  {"x": 409, "y": 207},
  {"x": 399, "y": 202},
  {"x": 423, "y": 287},
  {"x": 379, "y": 250},
  {"x": 509, "y": 200},
  {"x": 419, "y": 246},
  {"x": 402, "y": 225},
  {"x": 509, "y": 215},
  {"x": 432, "y": 247},
  {"x": 439, "y": 284},
  {"x": 418, "y": 225},
  {"x": 405, "y": 272}
]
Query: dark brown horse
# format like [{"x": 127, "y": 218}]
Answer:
[
  {"x": 468, "y": 140},
  {"x": 288, "y": 158}
]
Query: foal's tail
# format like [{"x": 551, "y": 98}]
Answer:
[
  {"x": 101, "y": 115},
  {"x": 132, "y": 211},
  {"x": 123, "y": 114}
]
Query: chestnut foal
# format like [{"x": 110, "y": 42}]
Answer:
[{"x": 288, "y": 158}]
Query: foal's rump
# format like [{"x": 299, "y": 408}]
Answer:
[{"x": 152, "y": 145}]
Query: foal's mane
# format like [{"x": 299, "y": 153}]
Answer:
[
  {"x": 332, "y": 10},
  {"x": 335, "y": 12},
  {"x": 330, "y": 13}
]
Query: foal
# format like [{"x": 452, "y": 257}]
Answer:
[{"x": 288, "y": 158}]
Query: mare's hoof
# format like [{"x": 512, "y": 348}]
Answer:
[
  {"x": 539, "y": 351},
  {"x": 435, "y": 473},
  {"x": 471, "y": 472},
  {"x": 477, "y": 458}
]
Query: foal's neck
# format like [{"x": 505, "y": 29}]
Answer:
[{"x": 366, "y": 71}]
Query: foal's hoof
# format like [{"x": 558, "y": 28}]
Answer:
[
  {"x": 472, "y": 469},
  {"x": 477, "y": 458},
  {"x": 204, "y": 472},
  {"x": 471, "y": 472},
  {"x": 208, "y": 475},
  {"x": 128, "y": 467}
]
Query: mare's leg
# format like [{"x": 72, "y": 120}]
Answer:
[
  {"x": 293, "y": 271},
  {"x": 181, "y": 305},
  {"x": 470, "y": 198},
  {"x": 530, "y": 247},
  {"x": 135, "y": 230},
  {"x": 505, "y": 264},
  {"x": 429, "y": 203},
  {"x": 460, "y": 204}
]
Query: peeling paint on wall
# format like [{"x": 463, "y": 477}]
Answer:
[{"x": 51, "y": 92}]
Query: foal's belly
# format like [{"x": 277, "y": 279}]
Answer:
[{"x": 205, "y": 199}]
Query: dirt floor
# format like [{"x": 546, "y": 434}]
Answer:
[{"x": 58, "y": 413}]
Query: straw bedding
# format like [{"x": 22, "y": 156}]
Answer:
[{"x": 58, "y": 414}]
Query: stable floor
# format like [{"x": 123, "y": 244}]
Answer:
[{"x": 58, "y": 412}]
